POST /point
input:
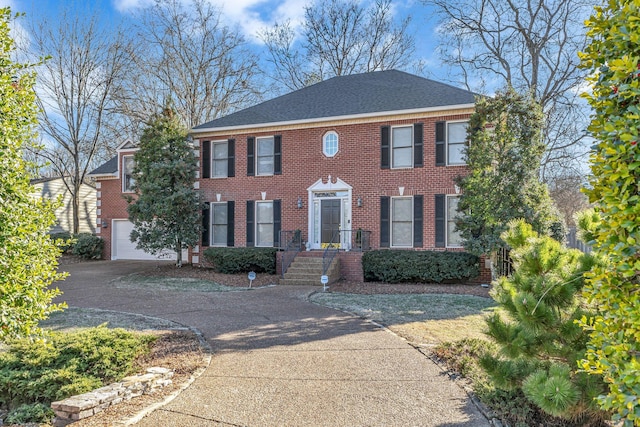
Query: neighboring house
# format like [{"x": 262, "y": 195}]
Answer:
[
  {"x": 370, "y": 154},
  {"x": 51, "y": 188}
]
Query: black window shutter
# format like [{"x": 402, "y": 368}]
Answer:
[
  {"x": 441, "y": 155},
  {"x": 251, "y": 230},
  {"x": 385, "y": 149},
  {"x": 418, "y": 221},
  {"x": 417, "y": 145},
  {"x": 230, "y": 222},
  {"x": 277, "y": 222},
  {"x": 441, "y": 221},
  {"x": 231, "y": 159},
  {"x": 206, "y": 224},
  {"x": 251, "y": 163},
  {"x": 385, "y": 222},
  {"x": 277, "y": 155},
  {"x": 206, "y": 159}
]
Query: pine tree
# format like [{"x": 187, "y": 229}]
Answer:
[
  {"x": 613, "y": 59},
  {"x": 28, "y": 257},
  {"x": 536, "y": 326},
  {"x": 505, "y": 148},
  {"x": 166, "y": 210}
]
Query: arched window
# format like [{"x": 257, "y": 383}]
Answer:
[{"x": 330, "y": 144}]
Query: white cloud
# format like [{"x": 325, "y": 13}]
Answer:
[{"x": 123, "y": 6}]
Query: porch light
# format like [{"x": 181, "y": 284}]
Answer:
[
  {"x": 104, "y": 223},
  {"x": 299, "y": 204},
  {"x": 359, "y": 202}
]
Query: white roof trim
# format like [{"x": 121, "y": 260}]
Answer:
[{"x": 333, "y": 118}]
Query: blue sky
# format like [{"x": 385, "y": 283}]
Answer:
[{"x": 250, "y": 16}]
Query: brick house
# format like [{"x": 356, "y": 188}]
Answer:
[{"x": 369, "y": 155}]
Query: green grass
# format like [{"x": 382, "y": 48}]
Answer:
[
  {"x": 136, "y": 281},
  {"x": 420, "y": 318}
]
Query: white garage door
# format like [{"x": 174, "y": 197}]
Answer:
[{"x": 123, "y": 248}]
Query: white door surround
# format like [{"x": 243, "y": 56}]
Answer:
[{"x": 331, "y": 189}]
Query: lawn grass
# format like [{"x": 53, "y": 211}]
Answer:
[
  {"x": 173, "y": 284},
  {"x": 420, "y": 318}
]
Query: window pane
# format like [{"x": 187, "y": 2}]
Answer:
[
  {"x": 265, "y": 146},
  {"x": 265, "y": 235},
  {"x": 128, "y": 165},
  {"x": 220, "y": 150},
  {"x": 264, "y": 212},
  {"x": 453, "y": 237},
  {"x": 220, "y": 168},
  {"x": 330, "y": 144},
  {"x": 402, "y": 137},
  {"x": 265, "y": 165},
  {"x": 452, "y": 207},
  {"x": 402, "y": 157},
  {"x": 127, "y": 178},
  {"x": 402, "y": 209},
  {"x": 220, "y": 235},
  {"x": 457, "y": 132},
  {"x": 401, "y": 232},
  {"x": 456, "y": 153},
  {"x": 220, "y": 213}
]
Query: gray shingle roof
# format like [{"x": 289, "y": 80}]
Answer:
[
  {"x": 374, "y": 92},
  {"x": 107, "y": 168}
]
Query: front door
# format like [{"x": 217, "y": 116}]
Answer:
[{"x": 330, "y": 221}]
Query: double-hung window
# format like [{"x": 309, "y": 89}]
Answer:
[
  {"x": 456, "y": 137},
  {"x": 264, "y": 224},
  {"x": 128, "y": 181},
  {"x": 402, "y": 147},
  {"x": 265, "y": 156},
  {"x": 220, "y": 159},
  {"x": 219, "y": 224},
  {"x": 401, "y": 221},
  {"x": 454, "y": 240}
]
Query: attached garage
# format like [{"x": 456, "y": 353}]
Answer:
[{"x": 123, "y": 248}]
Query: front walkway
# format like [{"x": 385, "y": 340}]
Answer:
[{"x": 282, "y": 361}]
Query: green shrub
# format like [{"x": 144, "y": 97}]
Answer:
[
  {"x": 67, "y": 243},
  {"x": 242, "y": 260},
  {"x": 32, "y": 413},
  {"x": 397, "y": 266},
  {"x": 88, "y": 246},
  {"x": 66, "y": 364}
]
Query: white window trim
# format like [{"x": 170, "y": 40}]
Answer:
[
  {"x": 257, "y": 245},
  {"x": 446, "y": 216},
  {"x": 213, "y": 159},
  {"x": 324, "y": 143},
  {"x": 410, "y": 245},
  {"x": 211, "y": 243},
  {"x": 124, "y": 190},
  {"x": 273, "y": 156},
  {"x": 392, "y": 148},
  {"x": 447, "y": 141}
]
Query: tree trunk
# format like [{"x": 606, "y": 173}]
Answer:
[{"x": 178, "y": 253}]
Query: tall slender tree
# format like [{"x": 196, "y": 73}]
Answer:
[
  {"x": 166, "y": 210},
  {"x": 75, "y": 88},
  {"x": 28, "y": 257}
]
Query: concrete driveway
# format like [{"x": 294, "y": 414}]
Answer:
[{"x": 281, "y": 361}]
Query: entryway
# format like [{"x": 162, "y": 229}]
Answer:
[{"x": 329, "y": 213}]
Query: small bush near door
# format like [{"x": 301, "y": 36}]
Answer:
[
  {"x": 88, "y": 246},
  {"x": 403, "y": 266},
  {"x": 242, "y": 260}
]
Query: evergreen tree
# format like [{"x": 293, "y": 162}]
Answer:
[
  {"x": 536, "y": 327},
  {"x": 504, "y": 151},
  {"x": 613, "y": 59},
  {"x": 28, "y": 257},
  {"x": 166, "y": 210}
]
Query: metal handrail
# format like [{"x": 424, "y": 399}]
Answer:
[
  {"x": 358, "y": 241},
  {"x": 330, "y": 252},
  {"x": 293, "y": 240}
]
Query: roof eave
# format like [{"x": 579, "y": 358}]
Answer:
[
  {"x": 103, "y": 175},
  {"x": 333, "y": 118}
]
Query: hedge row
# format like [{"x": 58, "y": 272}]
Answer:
[
  {"x": 242, "y": 260},
  {"x": 400, "y": 266}
]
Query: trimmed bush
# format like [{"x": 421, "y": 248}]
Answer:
[
  {"x": 67, "y": 241},
  {"x": 88, "y": 246},
  {"x": 242, "y": 260},
  {"x": 402, "y": 266}
]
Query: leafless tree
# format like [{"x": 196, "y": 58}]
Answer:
[
  {"x": 74, "y": 86},
  {"x": 186, "y": 58},
  {"x": 530, "y": 45},
  {"x": 339, "y": 37},
  {"x": 565, "y": 192}
]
